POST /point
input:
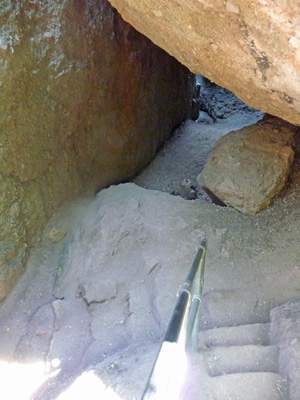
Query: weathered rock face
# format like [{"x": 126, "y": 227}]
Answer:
[
  {"x": 85, "y": 102},
  {"x": 285, "y": 324},
  {"x": 247, "y": 168},
  {"x": 248, "y": 47}
]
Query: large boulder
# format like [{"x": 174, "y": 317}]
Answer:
[
  {"x": 85, "y": 101},
  {"x": 249, "y": 167},
  {"x": 249, "y": 47}
]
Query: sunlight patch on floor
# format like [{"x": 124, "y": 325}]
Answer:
[
  {"x": 20, "y": 381},
  {"x": 88, "y": 386}
]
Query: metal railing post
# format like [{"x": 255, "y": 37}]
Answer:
[
  {"x": 194, "y": 316},
  {"x": 184, "y": 324}
]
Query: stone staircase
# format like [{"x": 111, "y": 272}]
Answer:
[{"x": 236, "y": 363}]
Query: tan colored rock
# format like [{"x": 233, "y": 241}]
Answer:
[
  {"x": 249, "y": 167},
  {"x": 85, "y": 102},
  {"x": 249, "y": 47},
  {"x": 56, "y": 235}
]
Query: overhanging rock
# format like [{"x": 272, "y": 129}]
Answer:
[{"x": 250, "y": 48}]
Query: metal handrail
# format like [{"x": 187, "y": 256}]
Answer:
[{"x": 184, "y": 324}]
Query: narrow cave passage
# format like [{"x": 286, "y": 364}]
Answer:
[{"x": 177, "y": 165}]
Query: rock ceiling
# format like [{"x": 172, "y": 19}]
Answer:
[{"x": 251, "y": 48}]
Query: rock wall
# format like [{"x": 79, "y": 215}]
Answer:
[
  {"x": 249, "y": 47},
  {"x": 85, "y": 102}
]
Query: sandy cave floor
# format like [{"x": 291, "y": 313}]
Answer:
[{"x": 87, "y": 317}]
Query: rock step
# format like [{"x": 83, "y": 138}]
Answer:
[
  {"x": 249, "y": 386},
  {"x": 235, "y": 335},
  {"x": 231, "y": 308},
  {"x": 235, "y": 359}
]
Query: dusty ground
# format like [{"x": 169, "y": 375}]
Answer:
[{"x": 87, "y": 317}]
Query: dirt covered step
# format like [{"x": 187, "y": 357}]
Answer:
[
  {"x": 234, "y": 359},
  {"x": 235, "y": 335},
  {"x": 249, "y": 386}
]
